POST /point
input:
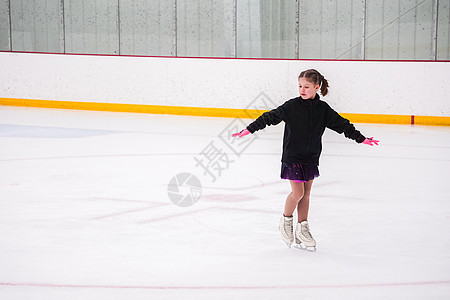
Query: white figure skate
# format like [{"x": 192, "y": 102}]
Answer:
[
  {"x": 303, "y": 237},
  {"x": 286, "y": 227}
]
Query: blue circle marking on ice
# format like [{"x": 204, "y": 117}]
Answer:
[{"x": 184, "y": 189}]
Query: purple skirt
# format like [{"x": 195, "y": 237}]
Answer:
[{"x": 299, "y": 172}]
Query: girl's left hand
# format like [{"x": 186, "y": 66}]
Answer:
[{"x": 370, "y": 142}]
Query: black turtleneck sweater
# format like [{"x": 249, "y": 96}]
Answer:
[{"x": 306, "y": 121}]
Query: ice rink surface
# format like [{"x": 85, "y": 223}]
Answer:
[{"x": 85, "y": 211}]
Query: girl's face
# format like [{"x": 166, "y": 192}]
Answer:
[{"x": 307, "y": 89}]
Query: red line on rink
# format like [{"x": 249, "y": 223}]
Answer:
[{"x": 250, "y": 287}]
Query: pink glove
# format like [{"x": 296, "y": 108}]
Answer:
[
  {"x": 371, "y": 141},
  {"x": 242, "y": 133}
]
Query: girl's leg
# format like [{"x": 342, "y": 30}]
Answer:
[
  {"x": 303, "y": 204},
  {"x": 292, "y": 200}
]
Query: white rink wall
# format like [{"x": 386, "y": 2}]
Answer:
[{"x": 367, "y": 87}]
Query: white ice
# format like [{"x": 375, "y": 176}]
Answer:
[{"x": 85, "y": 211}]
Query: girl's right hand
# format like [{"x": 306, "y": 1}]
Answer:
[
  {"x": 370, "y": 142},
  {"x": 242, "y": 133}
]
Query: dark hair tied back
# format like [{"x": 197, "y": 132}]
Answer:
[{"x": 316, "y": 78}]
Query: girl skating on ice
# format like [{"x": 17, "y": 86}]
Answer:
[{"x": 306, "y": 118}]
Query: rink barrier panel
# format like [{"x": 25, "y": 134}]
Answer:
[
  {"x": 361, "y": 87},
  {"x": 214, "y": 112}
]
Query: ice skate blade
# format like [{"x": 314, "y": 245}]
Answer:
[
  {"x": 303, "y": 247},
  {"x": 288, "y": 245}
]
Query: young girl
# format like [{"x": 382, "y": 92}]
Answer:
[{"x": 306, "y": 118}]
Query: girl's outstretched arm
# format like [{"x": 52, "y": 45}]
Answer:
[{"x": 272, "y": 117}]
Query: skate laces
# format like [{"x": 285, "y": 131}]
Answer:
[
  {"x": 305, "y": 231},
  {"x": 288, "y": 225}
]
